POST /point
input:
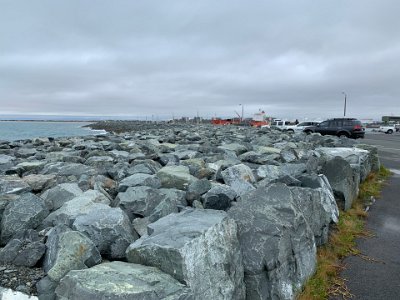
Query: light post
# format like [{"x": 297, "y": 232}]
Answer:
[
  {"x": 242, "y": 112},
  {"x": 345, "y": 100}
]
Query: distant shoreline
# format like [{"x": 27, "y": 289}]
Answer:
[{"x": 64, "y": 121}]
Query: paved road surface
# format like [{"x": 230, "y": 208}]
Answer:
[{"x": 380, "y": 279}]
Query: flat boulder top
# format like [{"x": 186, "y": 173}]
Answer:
[
  {"x": 341, "y": 151},
  {"x": 120, "y": 280},
  {"x": 179, "y": 228}
]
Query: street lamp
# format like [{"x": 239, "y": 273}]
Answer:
[
  {"x": 345, "y": 100},
  {"x": 242, "y": 112}
]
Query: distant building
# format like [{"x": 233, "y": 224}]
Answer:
[{"x": 391, "y": 119}]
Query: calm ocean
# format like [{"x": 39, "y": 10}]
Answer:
[{"x": 19, "y": 130}]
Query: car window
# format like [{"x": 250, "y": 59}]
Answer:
[
  {"x": 337, "y": 123},
  {"x": 324, "y": 124},
  {"x": 348, "y": 123},
  {"x": 304, "y": 124}
]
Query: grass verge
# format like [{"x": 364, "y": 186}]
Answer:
[{"x": 326, "y": 281}]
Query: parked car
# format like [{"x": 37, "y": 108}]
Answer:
[
  {"x": 301, "y": 126},
  {"x": 389, "y": 129},
  {"x": 348, "y": 127}
]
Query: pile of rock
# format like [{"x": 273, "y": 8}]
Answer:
[{"x": 194, "y": 212}]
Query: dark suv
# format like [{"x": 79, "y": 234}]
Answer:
[{"x": 349, "y": 127}]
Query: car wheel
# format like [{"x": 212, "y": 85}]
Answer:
[
  {"x": 343, "y": 134},
  {"x": 290, "y": 131},
  {"x": 308, "y": 132},
  {"x": 390, "y": 131}
]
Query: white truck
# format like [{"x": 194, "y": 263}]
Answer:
[{"x": 389, "y": 129}]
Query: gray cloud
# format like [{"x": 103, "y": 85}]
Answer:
[{"x": 291, "y": 58}]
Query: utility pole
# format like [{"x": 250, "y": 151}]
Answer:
[
  {"x": 345, "y": 102},
  {"x": 242, "y": 112}
]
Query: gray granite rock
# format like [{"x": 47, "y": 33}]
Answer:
[
  {"x": 140, "y": 225},
  {"x": 6, "y": 159},
  {"x": 26, "y": 212},
  {"x": 58, "y": 195},
  {"x": 119, "y": 280},
  {"x": 13, "y": 185},
  {"x": 99, "y": 161},
  {"x": 198, "y": 248},
  {"x": 68, "y": 250},
  {"x": 196, "y": 189},
  {"x": 234, "y": 147},
  {"x": 25, "y": 152},
  {"x": 139, "y": 179},
  {"x": 175, "y": 177},
  {"x": 373, "y": 156},
  {"x": 89, "y": 201},
  {"x": 68, "y": 169},
  {"x": 25, "y": 249},
  {"x": 240, "y": 178},
  {"x": 32, "y": 165},
  {"x": 278, "y": 246},
  {"x": 218, "y": 197},
  {"x": 271, "y": 173},
  {"x": 138, "y": 201},
  {"x": 46, "y": 288},
  {"x": 318, "y": 205},
  {"x": 109, "y": 229},
  {"x": 39, "y": 182},
  {"x": 343, "y": 180}
]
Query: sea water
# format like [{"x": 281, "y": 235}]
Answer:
[{"x": 21, "y": 130}]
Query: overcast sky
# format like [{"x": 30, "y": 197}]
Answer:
[{"x": 292, "y": 59}]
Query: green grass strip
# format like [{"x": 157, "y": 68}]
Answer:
[{"x": 342, "y": 243}]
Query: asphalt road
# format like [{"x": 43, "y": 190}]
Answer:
[{"x": 377, "y": 275}]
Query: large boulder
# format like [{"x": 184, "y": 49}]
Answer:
[
  {"x": 175, "y": 177},
  {"x": 26, "y": 166},
  {"x": 68, "y": 169},
  {"x": 197, "y": 247},
  {"x": 99, "y": 161},
  {"x": 271, "y": 173},
  {"x": 89, "y": 201},
  {"x": 240, "y": 177},
  {"x": 68, "y": 250},
  {"x": 173, "y": 200},
  {"x": 13, "y": 185},
  {"x": 58, "y": 195},
  {"x": 138, "y": 201},
  {"x": 109, "y": 229},
  {"x": 358, "y": 158},
  {"x": 119, "y": 280},
  {"x": 318, "y": 205},
  {"x": 6, "y": 159},
  {"x": 39, "y": 182},
  {"x": 25, "y": 249},
  {"x": 25, "y": 152},
  {"x": 343, "y": 179},
  {"x": 373, "y": 156},
  {"x": 139, "y": 179},
  {"x": 278, "y": 245},
  {"x": 26, "y": 212},
  {"x": 237, "y": 148},
  {"x": 256, "y": 157},
  {"x": 197, "y": 188},
  {"x": 219, "y": 197}
]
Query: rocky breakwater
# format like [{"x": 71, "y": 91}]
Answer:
[{"x": 176, "y": 212}]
